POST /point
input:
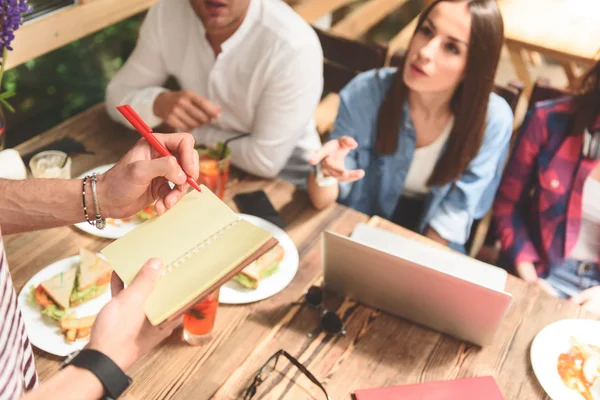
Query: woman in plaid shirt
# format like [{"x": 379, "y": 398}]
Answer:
[{"x": 547, "y": 210}]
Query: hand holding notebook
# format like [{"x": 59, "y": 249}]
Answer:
[{"x": 202, "y": 243}]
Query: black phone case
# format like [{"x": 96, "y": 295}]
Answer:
[{"x": 258, "y": 204}]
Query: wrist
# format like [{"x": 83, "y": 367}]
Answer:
[
  {"x": 157, "y": 104},
  {"x": 527, "y": 272},
  {"x": 122, "y": 358},
  {"x": 322, "y": 179},
  {"x": 106, "y": 371},
  {"x": 89, "y": 386},
  {"x": 102, "y": 195}
]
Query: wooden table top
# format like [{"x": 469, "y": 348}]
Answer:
[
  {"x": 378, "y": 349},
  {"x": 555, "y": 27}
]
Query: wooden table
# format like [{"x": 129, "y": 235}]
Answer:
[
  {"x": 378, "y": 350},
  {"x": 566, "y": 30}
]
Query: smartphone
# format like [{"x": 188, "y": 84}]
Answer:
[{"x": 258, "y": 204}]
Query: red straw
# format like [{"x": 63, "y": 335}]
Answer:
[{"x": 144, "y": 130}]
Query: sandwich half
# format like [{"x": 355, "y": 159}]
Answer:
[
  {"x": 54, "y": 294},
  {"x": 266, "y": 265},
  {"x": 93, "y": 277}
]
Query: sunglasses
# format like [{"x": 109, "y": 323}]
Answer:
[
  {"x": 267, "y": 369},
  {"x": 329, "y": 320}
]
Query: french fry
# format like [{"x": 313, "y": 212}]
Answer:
[
  {"x": 80, "y": 323},
  {"x": 71, "y": 334},
  {"x": 69, "y": 316},
  {"x": 81, "y": 333}
]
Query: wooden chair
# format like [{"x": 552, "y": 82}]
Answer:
[
  {"x": 343, "y": 60},
  {"x": 346, "y": 58},
  {"x": 480, "y": 231},
  {"x": 543, "y": 91}
]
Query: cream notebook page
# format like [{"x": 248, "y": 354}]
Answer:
[{"x": 200, "y": 240}]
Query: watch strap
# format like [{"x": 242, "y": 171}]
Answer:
[{"x": 113, "y": 379}]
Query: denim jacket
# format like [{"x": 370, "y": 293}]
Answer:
[{"x": 449, "y": 209}]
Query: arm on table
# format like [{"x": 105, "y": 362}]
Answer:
[{"x": 70, "y": 383}]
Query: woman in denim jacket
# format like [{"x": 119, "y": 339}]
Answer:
[{"x": 424, "y": 145}]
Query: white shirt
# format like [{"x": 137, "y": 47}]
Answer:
[
  {"x": 268, "y": 80},
  {"x": 423, "y": 164},
  {"x": 587, "y": 247}
]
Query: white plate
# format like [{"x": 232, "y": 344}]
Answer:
[
  {"x": 553, "y": 340},
  {"x": 111, "y": 231},
  {"x": 233, "y": 293},
  {"x": 43, "y": 331}
]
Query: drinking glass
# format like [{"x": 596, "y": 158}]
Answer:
[
  {"x": 214, "y": 171},
  {"x": 51, "y": 164},
  {"x": 199, "y": 322}
]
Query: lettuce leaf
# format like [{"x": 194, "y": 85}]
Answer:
[
  {"x": 269, "y": 271},
  {"x": 245, "y": 281},
  {"x": 54, "y": 312},
  {"x": 86, "y": 294},
  {"x": 251, "y": 283},
  {"x": 32, "y": 299}
]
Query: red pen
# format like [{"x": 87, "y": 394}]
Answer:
[{"x": 144, "y": 130}]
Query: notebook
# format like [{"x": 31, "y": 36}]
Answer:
[
  {"x": 463, "y": 389},
  {"x": 202, "y": 244}
]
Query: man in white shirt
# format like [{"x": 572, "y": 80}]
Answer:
[{"x": 245, "y": 66}]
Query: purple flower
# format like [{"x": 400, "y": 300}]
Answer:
[{"x": 11, "y": 20}]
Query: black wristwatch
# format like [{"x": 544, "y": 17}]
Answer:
[{"x": 113, "y": 379}]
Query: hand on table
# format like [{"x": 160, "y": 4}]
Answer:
[
  {"x": 546, "y": 287},
  {"x": 588, "y": 299},
  {"x": 185, "y": 110}
]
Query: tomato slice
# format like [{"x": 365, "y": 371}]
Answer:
[
  {"x": 42, "y": 297},
  {"x": 150, "y": 210},
  {"x": 104, "y": 280}
]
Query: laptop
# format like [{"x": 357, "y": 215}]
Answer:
[{"x": 437, "y": 288}]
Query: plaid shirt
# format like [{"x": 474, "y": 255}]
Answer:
[{"x": 537, "y": 210}]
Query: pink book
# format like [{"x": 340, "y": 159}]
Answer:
[{"x": 464, "y": 389}]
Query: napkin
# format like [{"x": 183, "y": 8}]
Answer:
[{"x": 11, "y": 165}]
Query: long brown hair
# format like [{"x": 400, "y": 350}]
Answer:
[{"x": 469, "y": 102}]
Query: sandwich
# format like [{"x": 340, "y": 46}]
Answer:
[
  {"x": 93, "y": 277},
  {"x": 266, "y": 265},
  {"x": 54, "y": 294},
  {"x": 147, "y": 213}
]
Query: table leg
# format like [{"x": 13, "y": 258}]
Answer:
[
  {"x": 570, "y": 71},
  {"x": 518, "y": 62}
]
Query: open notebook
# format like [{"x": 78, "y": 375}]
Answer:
[{"x": 202, "y": 243}]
